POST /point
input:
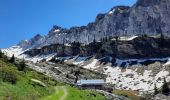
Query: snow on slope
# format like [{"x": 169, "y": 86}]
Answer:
[
  {"x": 128, "y": 79},
  {"x": 79, "y": 60},
  {"x": 125, "y": 38},
  {"x": 138, "y": 61},
  {"x": 91, "y": 65},
  {"x": 111, "y": 12},
  {"x": 40, "y": 57},
  {"x": 167, "y": 63},
  {"x": 16, "y": 50},
  {"x": 131, "y": 80},
  {"x": 18, "y": 53}
]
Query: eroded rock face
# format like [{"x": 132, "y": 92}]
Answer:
[
  {"x": 146, "y": 16},
  {"x": 141, "y": 47},
  {"x": 150, "y": 16}
]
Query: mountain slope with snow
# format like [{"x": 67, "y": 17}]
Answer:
[{"x": 116, "y": 44}]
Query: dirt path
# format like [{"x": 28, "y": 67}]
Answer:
[{"x": 65, "y": 93}]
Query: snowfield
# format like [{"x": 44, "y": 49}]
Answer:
[
  {"x": 16, "y": 50},
  {"x": 131, "y": 80},
  {"x": 18, "y": 53}
]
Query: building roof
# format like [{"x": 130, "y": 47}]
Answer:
[{"x": 91, "y": 82}]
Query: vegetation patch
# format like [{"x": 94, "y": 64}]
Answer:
[
  {"x": 15, "y": 84},
  {"x": 77, "y": 94},
  {"x": 132, "y": 95}
]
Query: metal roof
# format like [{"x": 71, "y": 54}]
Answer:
[{"x": 90, "y": 82}]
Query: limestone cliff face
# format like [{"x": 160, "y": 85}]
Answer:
[
  {"x": 141, "y": 47},
  {"x": 144, "y": 17},
  {"x": 150, "y": 17}
]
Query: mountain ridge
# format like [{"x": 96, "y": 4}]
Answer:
[{"x": 144, "y": 17}]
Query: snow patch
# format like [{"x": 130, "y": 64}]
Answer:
[
  {"x": 167, "y": 63},
  {"x": 68, "y": 45},
  {"x": 111, "y": 12},
  {"x": 40, "y": 57},
  {"x": 127, "y": 61},
  {"x": 17, "y": 51},
  {"x": 14, "y": 50},
  {"x": 79, "y": 60},
  {"x": 131, "y": 80},
  {"x": 57, "y": 30},
  {"x": 91, "y": 65},
  {"x": 126, "y": 38}
]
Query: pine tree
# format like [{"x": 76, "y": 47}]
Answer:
[
  {"x": 110, "y": 38},
  {"x": 162, "y": 38},
  {"x": 12, "y": 60},
  {"x": 156, "y": 90},
  {"x": 116, "y": 38},
  {"x": 76, "y": 79},
  {"x": 1, "y": 54},
  {"x": 106, "y": 40},
  {"x": 165, "y": 88},
  {"x": 22, "y": 66},
  {"x": 94, "y": 41}
]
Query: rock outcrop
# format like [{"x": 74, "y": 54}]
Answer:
[{"x": 138, "y": 48}]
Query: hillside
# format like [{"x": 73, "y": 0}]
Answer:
[
  {"x": 31, "y": 85},
  {"x": 17, "y": 85}
]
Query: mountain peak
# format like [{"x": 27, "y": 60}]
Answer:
[
  {"x": 146, "y": 16},
  {"x": 146, "y": 3}
]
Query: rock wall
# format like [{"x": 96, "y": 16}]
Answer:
[
  {"x": 141, "y": 47},
  {"x": 145, "y": 17}
]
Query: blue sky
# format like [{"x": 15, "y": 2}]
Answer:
[{"x": 22, "y": 19}]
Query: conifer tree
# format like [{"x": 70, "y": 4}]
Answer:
[
  {"x": 94, "y": 41},
  {"x": 156, "y": 90},
  {"x": 165, "y": 88},
  {"x": 1, "y": 54},
  {"x": 22, "y": 66},
  {"x": 12, "y": 60}
]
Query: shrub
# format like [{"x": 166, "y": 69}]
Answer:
[{"x": 7, "y": 75}]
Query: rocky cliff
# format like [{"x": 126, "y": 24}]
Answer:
[
  {"x": 138, "y": 48},
  {"x": 144, "y": 17}
]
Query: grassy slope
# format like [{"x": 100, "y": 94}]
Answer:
[
  {"x": 24, "y": 89},
  {"x": 54, "y": 96},
  {"x": 75, "y": 94}
]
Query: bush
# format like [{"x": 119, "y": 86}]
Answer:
[{"x": 7, "y": 75}]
